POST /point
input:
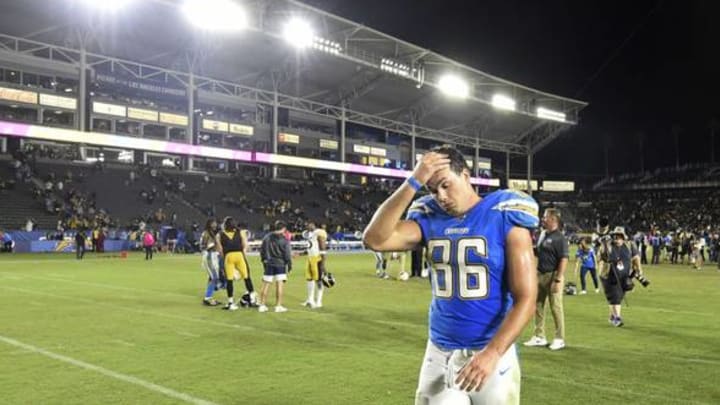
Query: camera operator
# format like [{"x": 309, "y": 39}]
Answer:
[{"x": 619, "y": 263}]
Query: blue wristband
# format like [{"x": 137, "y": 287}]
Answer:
[{"x": 412, "y": 181}]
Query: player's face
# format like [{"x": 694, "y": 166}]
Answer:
[
  {"x": 214, "y": 226},
  {"x": 450, "y": 190},
  {"x": 311, "y": 227}
]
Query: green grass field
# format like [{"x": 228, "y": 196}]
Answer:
[{"x": 111, "y": 330}]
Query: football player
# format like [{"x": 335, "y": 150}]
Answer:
[
  {"x": 483, "y": 277},
  {"x": 232, "y": 244},
  {"x": 315, "y": 267},
  {"x": 210, "y": 260}
]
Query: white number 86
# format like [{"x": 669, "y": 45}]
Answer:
[{"x": 463, "y": 272}]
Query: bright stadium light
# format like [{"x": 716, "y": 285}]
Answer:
[
  {"x": 326, "y": 45},
  {"x": 550, "y": 114},
  {"x": 299, "y": 33},
  {"x": 394, "y": 67},
  {"x": 503, "y": 102},
  {"x": 110, "y": 5},
  {"x": 215, "y": 15},
  {"x": 454, "y": 86}
]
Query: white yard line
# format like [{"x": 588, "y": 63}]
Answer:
[
  {"x": 202, "y": 321},
  {"x": 109, "y": 373}
]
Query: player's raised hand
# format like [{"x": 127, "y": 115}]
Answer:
[
  {"x": 478, "y": 370},
  {"x": 429, "y": 164}
]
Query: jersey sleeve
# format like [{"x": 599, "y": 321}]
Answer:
[
  {"x": 518, "y": 209},
  {"x": 419, "y": 212}
]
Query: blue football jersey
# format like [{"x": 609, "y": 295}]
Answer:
[{"x": 470, "y": 292}]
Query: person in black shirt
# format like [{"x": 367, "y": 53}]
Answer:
[
  {"x": 80, "y": 244},
  {"x": 617, "y": 260},
  {"x": 552, "y": 255},
  {"x": 277, "y": 259}
]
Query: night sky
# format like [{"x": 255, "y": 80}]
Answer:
[{"x": 661, "y": 70}]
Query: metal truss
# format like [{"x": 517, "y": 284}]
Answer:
[
  {"x": 539, "y": 136},
  {"x": 64, "y": 56}
]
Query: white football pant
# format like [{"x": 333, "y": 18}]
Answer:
[{"x": 436, "y": 385}]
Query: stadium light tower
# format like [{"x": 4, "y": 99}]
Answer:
[
  {"x": 503, "y": 102},
  {"x": 215, "y": 15},
  {"x": 454, "y": 86},
  {"x": 299, "y": 33}
]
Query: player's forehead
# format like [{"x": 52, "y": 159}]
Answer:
[{"x": 441, "y": 176}]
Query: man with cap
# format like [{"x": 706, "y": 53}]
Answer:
[{"x": 617, "y": 260}]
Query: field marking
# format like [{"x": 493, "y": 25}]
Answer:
[
  {"x": 186, "y": 334},
  {"x": 107, "y": 372},
  {"x": 314, "y": 341},
  {"x": 246, "y": 328},
  {"x": 301, "y": 339}
]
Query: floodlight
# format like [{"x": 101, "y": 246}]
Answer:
[
  {"x": 454, "y": 86},
  {"x": 550, "y": 114},
  {"x": 215, "y": 15},
  {"x": 503, "y": 102},
  {"x": 326, "y": 45},
  {"x": 299, "y": 33},
  {"x": 394, "y": 67},
  {"x": 110, "y": 5}
]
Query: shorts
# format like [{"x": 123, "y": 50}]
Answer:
[
  {"x": 236, "y": 266},
  {"x": 274, "y": 273},
  {"x": 614, "y": 292}
]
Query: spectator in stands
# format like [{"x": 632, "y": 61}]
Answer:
[{"x": 30, "y": 225}]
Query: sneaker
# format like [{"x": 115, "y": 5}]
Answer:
[
  {"x": 583, "y": 292},
  {"x": 536, "y": 341},
  {"x": 210, "y": 302},
  {"x": 231, "y": 307},
  {"x": 618, "y": 322},
  {"x": 262, "y": 308},
  {"x": 280, "y": 308},
  {"x": 318, "y": 305},
  {"x": 557, "y": 344},
  {"x": 308, "y": 303},
  {"x": 597, "y": 290},
  {"x": 611, "y": 320}
]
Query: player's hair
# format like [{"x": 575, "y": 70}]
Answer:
[
  {"x": 208, "y": 225},
  {"x": 279, "y": 225},
  {"x": 555, "y": 213},
  {"x": 457, "y": 160},
  {"x": 229, "y": 224},
  {"x": 587, "y": 240}
]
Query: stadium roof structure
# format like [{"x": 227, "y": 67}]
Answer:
[{"x": 350, "y": 71}]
